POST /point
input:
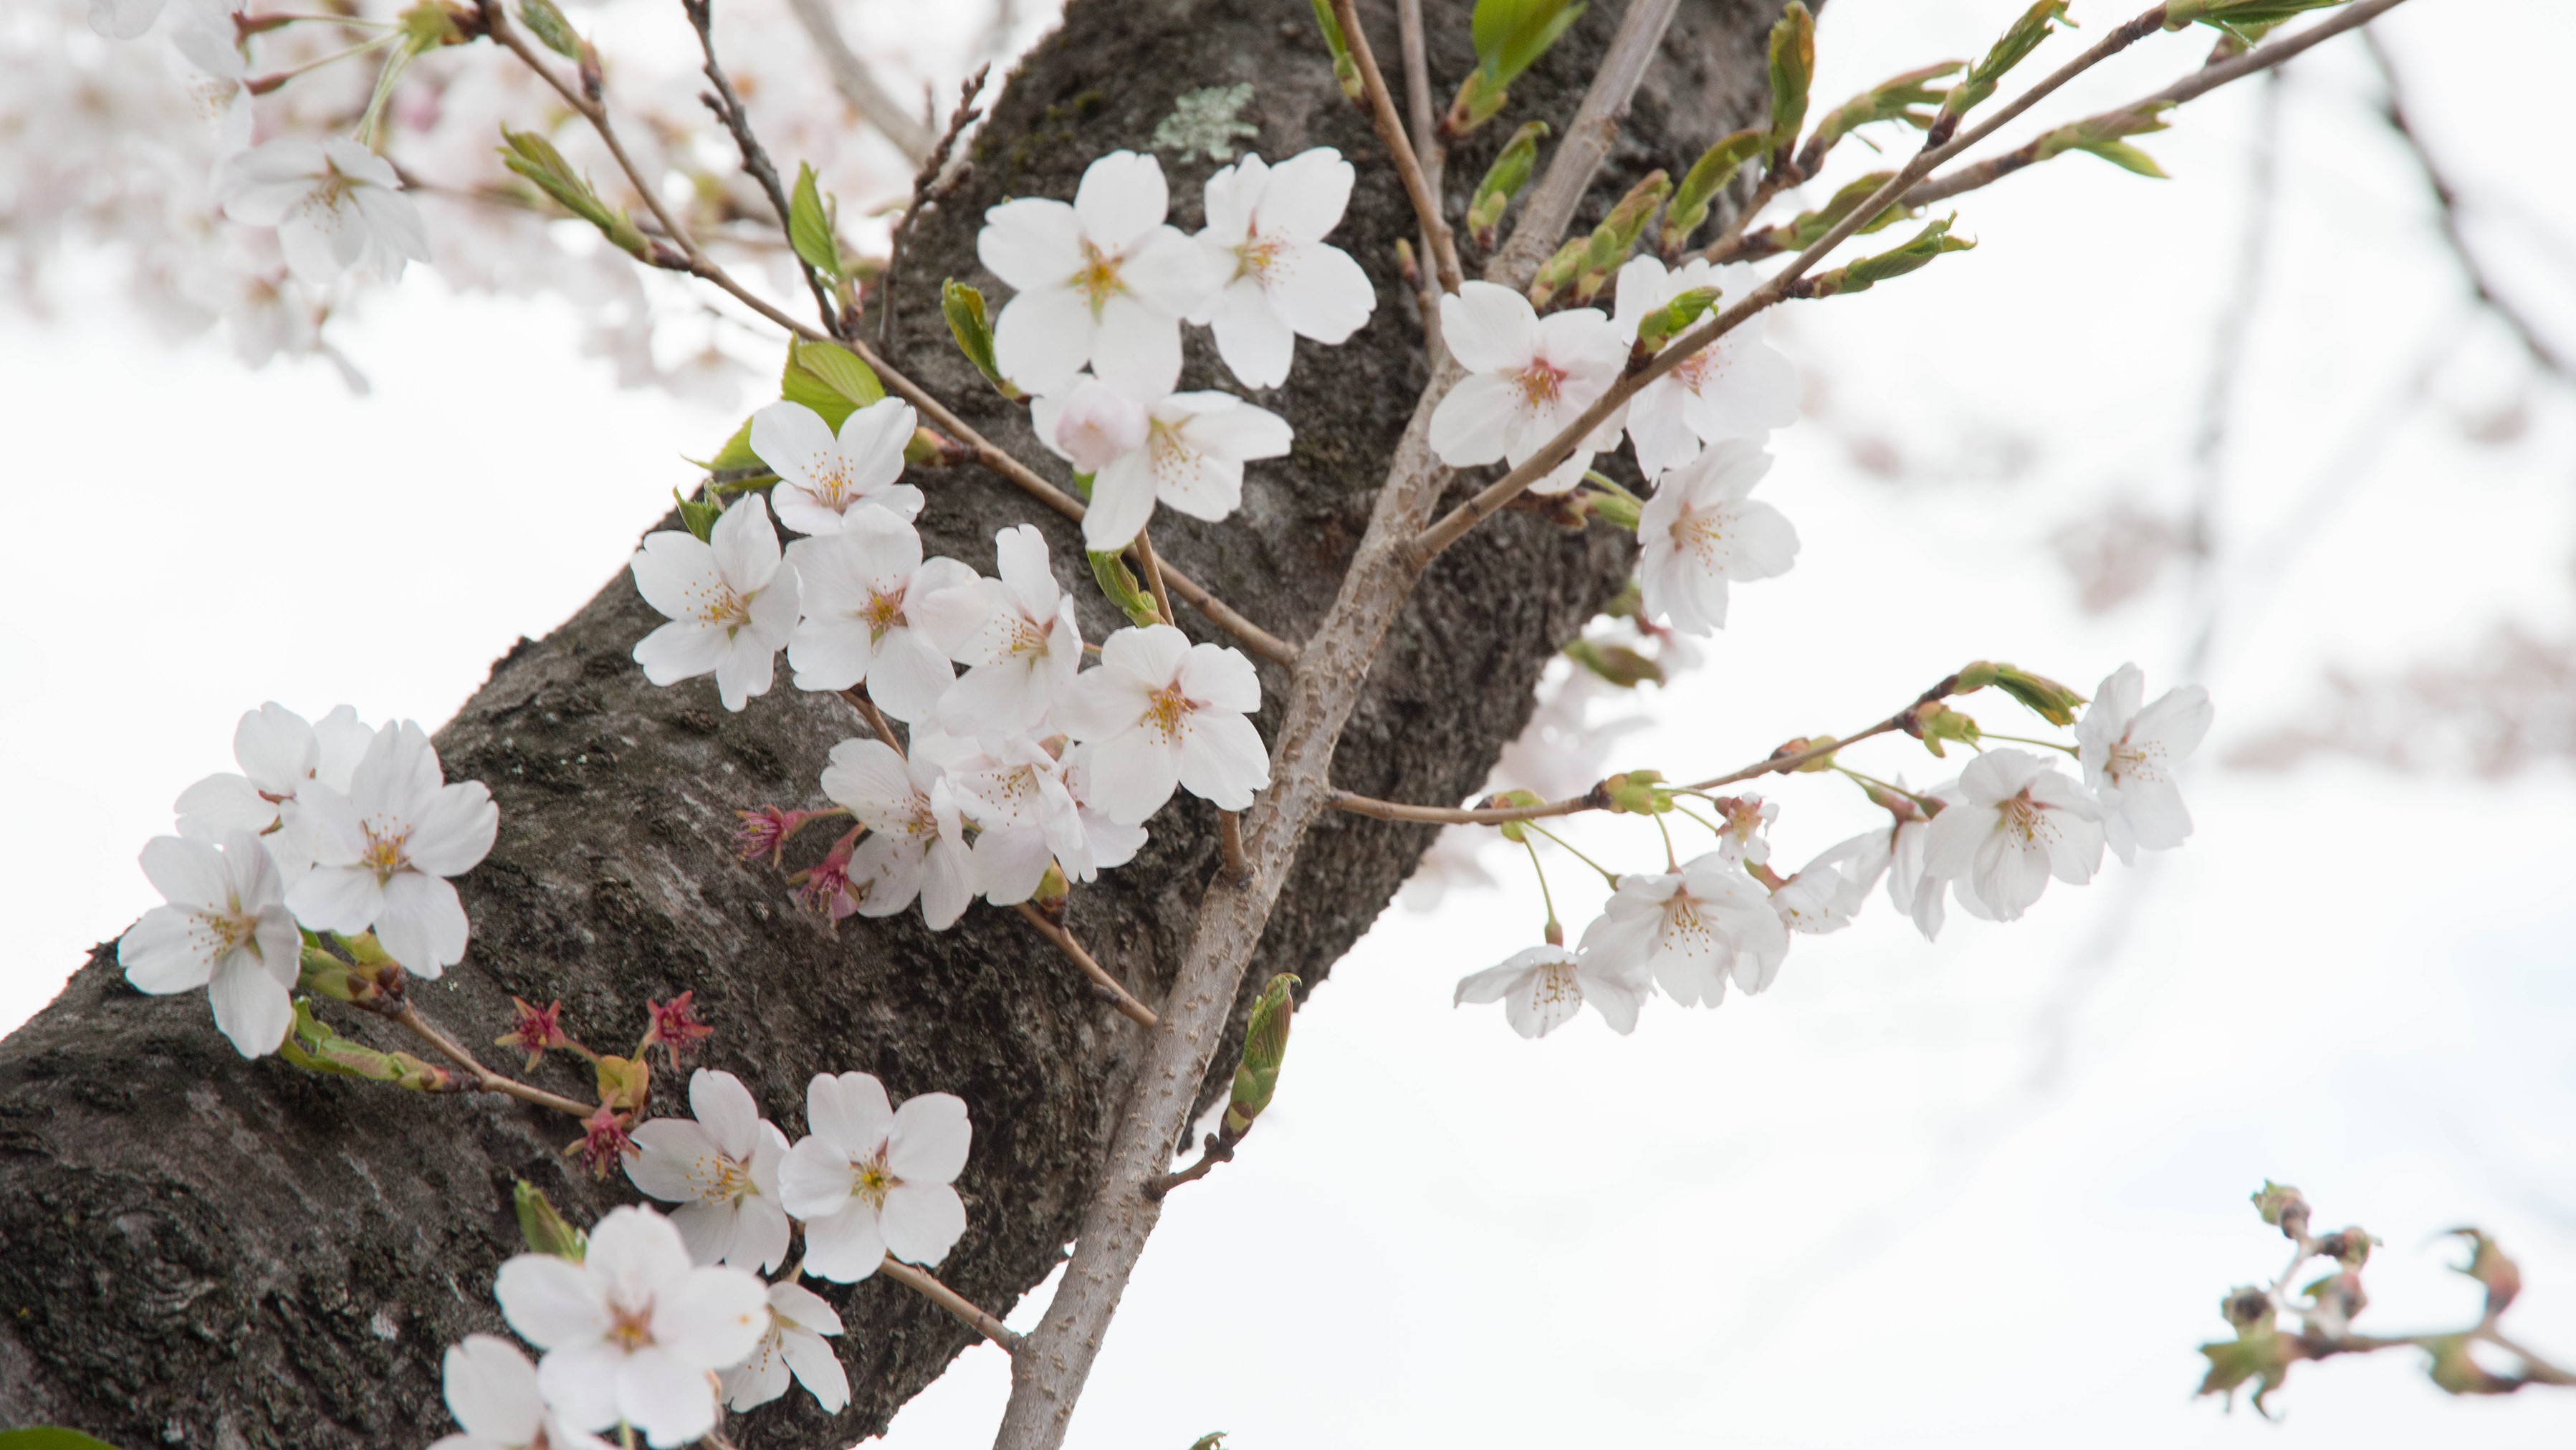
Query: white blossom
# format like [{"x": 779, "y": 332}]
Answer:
[
  {"x": 1188, "y": 454},
  {"x": 1016, "y": 635},
  {"x": 335, "y": 204},
  {"x": 1026, "y": 819},
  {"x": 1101, "y": 282},
  {"x": 873, "y": 1179},
  {"x": 1829, "y": 891},
  {"x": 721, "y": 1166},
  {"x": 860, "y": 590},
  {"x": 1277, "y": 279},
  {"x": 225, "y": 928},
  {"x": 1911, "y": 886},
  {"x": 1527, "y": 378},
  {"x": 382, "y": 851},
  {"x": 280, "y": 754},
  {"x": 2130, "y": 757},
  {"x": 826, "y": 481},
  {"x": 799, "y": 1321},
  {"x": 492, "y": 1391},
  {"x": 1700, "y": 531},
  {"x": 1162, "y": 712},
  {"x": 212, "y": 73},
  {"x": 1107, "y": 843},
  {"x": 132, "y": 19},
  {"x": 2019, "y": 822},
  {"x": 1736, "y": 387},
  {"x": 731, "y": 606},
  {"x": 635, "y": 1330},
  {"x": 1690, "y": 929},
  {"x": 1543, "y": 987},
  {"x": 916, "y": 841}
]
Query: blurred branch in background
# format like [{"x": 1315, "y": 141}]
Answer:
[{"x": 909, "y": 133}]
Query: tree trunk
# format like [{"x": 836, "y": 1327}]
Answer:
[{"x": 200, "y": 1250}]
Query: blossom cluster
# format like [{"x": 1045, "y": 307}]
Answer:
[
  {"x": 660, "y": 1320},
  {"x": 1991, "y": 840},
  {"x": 330, "y": 826}
]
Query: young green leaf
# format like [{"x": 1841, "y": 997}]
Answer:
[
  {"x": 535, "y": 158},
  {"x": 1793, "y": 69},
  {"x": 2035, "y": 25},
  {"x": 550, "y": 28},
  {"x": 1120, "y": 585},
  {"x": 963, "y": 306},
  {"x": 809, "y": 225},
  {"x": 1868, "y": 272},
  {"x": 1510, "y": 36},
  {"x": 1716, "y": 167},
  {"x": 1346, "y": 71},
  {"x": 1893, "y": 99},
  {"x": 1503, "y": 181},
  {"x": 829, "y": 379}
]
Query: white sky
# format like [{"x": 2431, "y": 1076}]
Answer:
[{"x": 1862, "y": 1209}]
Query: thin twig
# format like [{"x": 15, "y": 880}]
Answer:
[
  {"x": 1427, "y": 146},
  {"x": 1729, "y": 244},
  {"x": 485, "y": 1079},
  {"x": 1118, "y": 996},
  {"x": 1550, "y": 205},
  {"x": 1428, "y": 544},
  {"x": 2199, "y": 83},
  {"x": 1154, "y": 577},
  {"x": 728, "y": 108},
  {"x": 2446, "y": 198},
  {"x": 857, "y": 86},
  {"x": 1213, "y": 1151},
  {"x": 920, "y": 1282},
  {"x": 1390, "y": 133},
  {"x": 1229, "y": 839}
]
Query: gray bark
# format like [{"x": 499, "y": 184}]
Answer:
[{"x": 200, "y": 1250}]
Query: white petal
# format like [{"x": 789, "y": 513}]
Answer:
[{"x": 923, "y": 1221}]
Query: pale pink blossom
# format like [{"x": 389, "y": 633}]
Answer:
[
  {"x": 1277, "y": 279},
  {"x": 1162, "y": 712},
  {"x": 2132, "y": 754},
  {"x": 1700, "y": 531},
  {"x": 875, "y": 1180},
  {"x": 2019, "y": 822},
  {"x": 225, "y": 928},
  {"x": 1528, "y": 377},
  {"x": 1736, "y": 387},
  {"x": 1542, "y": 988},
  {"x": 825, "y": 480},
  {"x": 1102, "y": 282}
]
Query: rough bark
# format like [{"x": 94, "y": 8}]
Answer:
[{"x": 201, "y": 1250}]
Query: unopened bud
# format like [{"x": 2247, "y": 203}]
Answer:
[
  {"x": 544, "y": 1229},
  {"x": 1633, "y": 792},
  {"x": 1557, "y": 272},
  {"x": 1265, "y": 1047},
  {"x": 1513, "y": 831},
  {"x": 1933, "y": 722},
  {"x": 2247, "y": 1307},
  {"x": 2284, "y": 1208}
]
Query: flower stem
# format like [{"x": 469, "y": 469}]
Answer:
[
  {"x": 2026, "y": 740},
  {"x": 1606, "y": 873}
]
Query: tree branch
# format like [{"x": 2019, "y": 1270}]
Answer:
[
  {"x": 851, "y": 78},
  {"x": 920, "y": 1282},
  {"x": 1110, "y": 990},
  {"x": 1550, "y": 205},
  {"x": 728, "y": 109},
  {"x": 485, "y": 1079},
  {"x": 1390, "y": 134}
]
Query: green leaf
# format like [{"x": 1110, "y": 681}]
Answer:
[
  {"x": 963, "y": 306},
  {"x": 829, "y": 379},
  {"x": 1893, "y": 99},
  {"x": 548, "y": 25},
  {"x": 1868, "y": 272},
  {"x": 50, "y": 1437},
  {"x": 2239, "y": 14},
  {"x": 1511, "y": 35},
  {"x": 1504, "y": 180},
  {"x": 1119, "y": 583},
  {"x": 544, "y": 1228},
  {"x": 2010, "y": 49},
  {"x": 809, "y": 225},
  {"x": 1707, "y": 177},
  {"x": 698, "y": 516},
  {"x": 1793, "y": 69},
  {"x": 535, "y": 158}
]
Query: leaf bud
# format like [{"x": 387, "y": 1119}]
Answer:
[
  {"x": 325, "y": 975},
  {"x": 963, "y": 306},
  {"x": 2237, "y": 15},
  {"x": 1346, "y": 71},
  {"x": 1510, "y": 36},
  {"x": 1699, "y": 186},
  {"x": 1616, "y": 510},
  {"x": 1617, "y": 235},
  {"x": 698, "y": 516},
  {"x": 1633, "y": 793},
  {"x": 1557, "y": 271},
  {"x": 1118, "y": 583},
  {"x": 2102, "y": 136},
  {"x": 1503, "y": 181},
  {"x": 1975, "y": 676},
  {"x": 1265, "y": 1047},
  {"x": 1933, "y": 722},
  {"x": 544, "y": 1229},
  {"x": 548, "y": 25},
  {"x": 2284, "y": 1208},
  {"x": 2009, "y": 50},
  {"x": 1793, "y": 69},
  {"x": 1615, "y": 663},
  {"x": 535, "y": 158},
  {"x": 1868, "y": 272},
  {"x": 811, "y": 225},
  {"x": 1673, "y": 319},
  {"x": 2488, "y": 1265},
  {"x": 2045, "y": 697},
  {"x": 1893, "y": 99}
]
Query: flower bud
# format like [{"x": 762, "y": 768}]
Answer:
[
  {"x": 2282, "y": 1207},
  {"x": 1633, "y": 793},
  {"x": 544, "y": 1229},
  {"x": 1265, "y": 1047},
  {"x": 1513, "y": 831},
  {"x": 1118, "y": 584},
  {"x": 2046, "y": 698},
  {"x": 1100, "y": 425},
  {"x": 1933, "y": 722}
]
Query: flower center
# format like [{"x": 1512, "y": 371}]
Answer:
[
  {"x": 1684, "y": 928},
  {"x": 2130, "y": 762},
  {"x": 1257, "y": 257},
  {"x": 385, "y": 852},
  {"x": 725, "y": 610},
  {"x": 1556, "y": 984},
  {"x": 721, "y": 1179},
  {"x": 2023, "y": 817},
  {"x": 882, "y": 612},
  {"x": 1023, "y": 637},
  {"x": 831, "y": 487},
  {"x": 630, "y": 1327},
  {"x": 871, "y": 1178},
  {"x": 221, "y": 931},
  {"x": 1098, "y": 279},
  {"x": 1167, "y": 712},
  {"x": 1698, "y": 370},
  {"x": 1702, "y": 533},
  {"x": 1540, "y": 383}
]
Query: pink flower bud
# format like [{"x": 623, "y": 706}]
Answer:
[{"x": 1099, "y": 425}]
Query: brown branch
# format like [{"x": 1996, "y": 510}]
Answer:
[
  {"x": 2200, "y": 83},
  {"x": 1229, "y": 835},
  {"x": 1729, "y": 245},
  {"x": 1491, "y": 499},
  {"x": 1154, "y": 576},
  {"x": 1390, "y": 134},
  {"x": 919, "y": 1280},
  {"x": 1427, "y": 146},
  {"x": 2446, "y": 198},
  {"x": 1217, "y": 1149},
  {"x": 485, "y": 1079},
  {"x": 1550, "y": 205},
  {"x": 728, "y": 109},
  {"x": 850, "y": 77},
  {"x": 859, "y": 700},
  {"x": 1118, "y": 996}
]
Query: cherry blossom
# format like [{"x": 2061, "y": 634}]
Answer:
[
  {"x": 1543, "y": 987},
  {"x": 2130, "y": 755},
  {"x": 1911, "y": 886},
  {"x": 1026, "y": 817},
  {"x": 1829, "y": 891},
  {"x": 1015, "y": 634},
  {"x": 225, "y": 928},
  {"x": 860, "y": 589},
  {"x": 1101, "y": 282},
  {"x": 633, "y": 1331},
  {"x": 721, "y": 1167},
  {"x": 825, "y": 482},
  {"x": 731, "y": 606},
  {"x": 1190, "y": 454},
  {"x": 280, "y": 753},
  {"x": 1265, "y": 239},
  {"x": 916, "y": 842},
  {"x": 1527, "y": 378},
  {"x": 1690, "y": 929},
  {"x": 382, "y": 851},
  {"x": 131, "y": 19},
  {"x": 1108, "y": 844},
  {"x": 873, "y": 1179},
  {"x": 1736, "y": 387},
  {"x": 492, "y": 1391},
  {"x": 1162, "y": 712},
  {"x": 335, "y": 204},
  {"x": 212, "y": 72},
  {"x": 799, "y": 1321},
  {"x": 2019, "y": 822},
  {"x": 1699, "y": 531}
]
